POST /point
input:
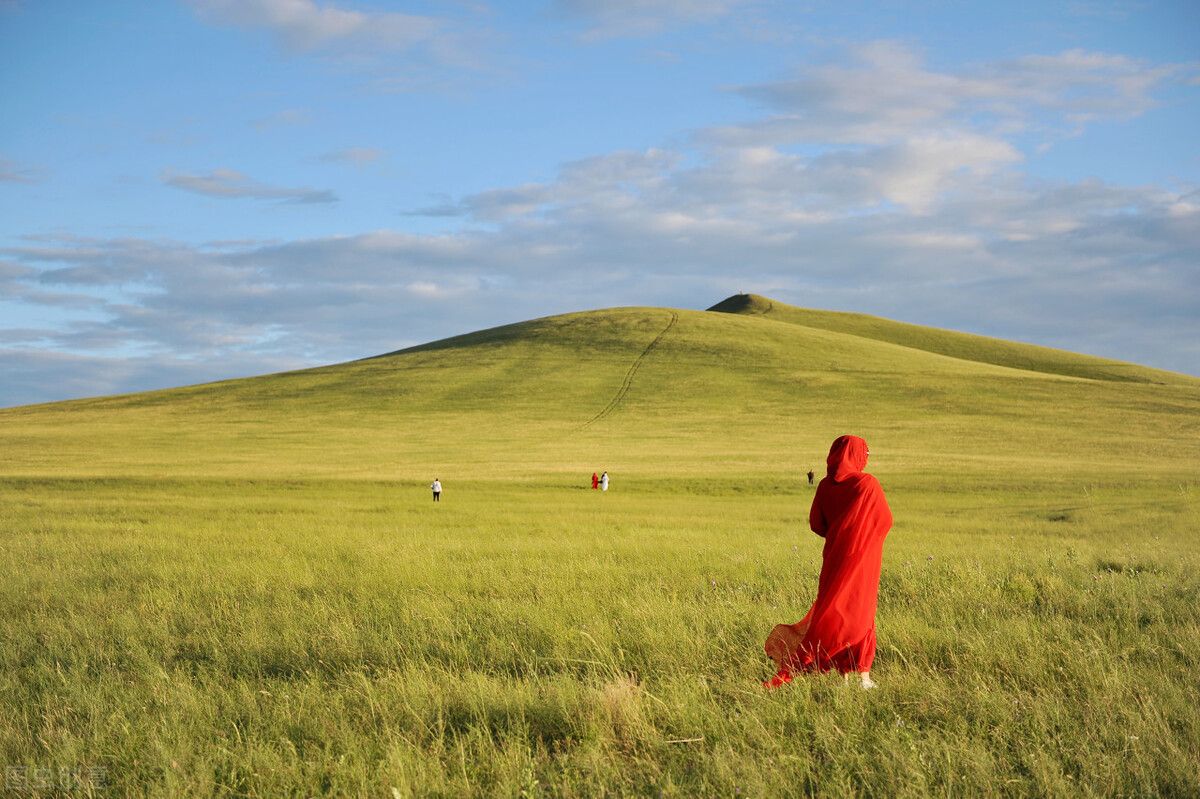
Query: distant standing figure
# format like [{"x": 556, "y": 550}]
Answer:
[
  {"x": 810, "y": 476},
  {"x": 604, "y": 482},
  {"x": 851, "y": 513},
  {"x": 437, "y": 490},
  {"x": 595, "y": 481}
]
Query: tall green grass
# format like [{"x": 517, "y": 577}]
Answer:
[{"x": 294, "y": 638}]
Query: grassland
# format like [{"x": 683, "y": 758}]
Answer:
[{"x": 242, "y": 589}]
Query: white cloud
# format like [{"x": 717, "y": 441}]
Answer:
[
  {"x": 916, "y": 172},
  {"x": 288, "y": 117},
  {"x": 608, "y": 18},
  {"x": 305, "y": 25},
  {"x": 12, "y": 172},
  {"x": 403, "y": 51},
  {"x": 35, "y": 375},
  {"x": 231, "y": 184},
  {"x": 357, "y": 156},
  {"x": 913, "y": 173},
  {"x": 10, "y": 272},
  {"x": 886, "y": 92}
]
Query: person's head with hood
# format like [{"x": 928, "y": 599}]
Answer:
[{"x": 847, "y": 456}]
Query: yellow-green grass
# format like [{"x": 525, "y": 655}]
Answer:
[
  {"x": 244, "y": 589},
  {"x": 946, "y": 342}
]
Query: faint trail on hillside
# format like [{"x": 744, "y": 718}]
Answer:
[{"x": 628, "y": 381}]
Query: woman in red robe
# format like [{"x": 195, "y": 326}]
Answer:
[{"x": 850, "y": 512}]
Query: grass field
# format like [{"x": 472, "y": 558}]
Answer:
[{"x": 243, "y": 589}]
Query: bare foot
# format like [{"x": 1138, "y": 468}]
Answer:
[{"x": 867, "y": 682}]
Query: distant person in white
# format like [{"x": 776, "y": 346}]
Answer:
[
  {"x": 604, "y": 482},
  {"x": 437, "y": 490}
]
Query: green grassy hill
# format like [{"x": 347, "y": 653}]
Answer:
[
  {"x": 244, "y": 589},
  {"x": 649, "y": 389}
]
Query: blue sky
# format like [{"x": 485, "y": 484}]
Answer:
[{"x": 208, "y": 189}]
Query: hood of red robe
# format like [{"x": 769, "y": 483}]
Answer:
[{"x": 847, "y": 456}]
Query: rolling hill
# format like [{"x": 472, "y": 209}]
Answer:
[{"x": 654, "y": 390}]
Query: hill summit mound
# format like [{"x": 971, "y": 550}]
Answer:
[{"x": 744, "y": 304}]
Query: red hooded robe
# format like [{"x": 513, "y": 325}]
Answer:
[{"x": 851, "y": 513}]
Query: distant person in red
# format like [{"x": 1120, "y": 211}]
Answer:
[
  {"x": 595, "y": 481},
  {"x": 850, "y": 512}
]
